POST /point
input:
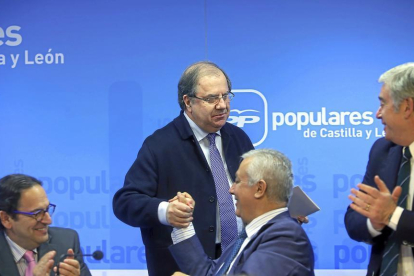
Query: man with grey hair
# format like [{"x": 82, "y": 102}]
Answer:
[
  {"x": 272, "y": 243},
  {"x": 198, "y": 152},
  {"x": 381, "y": 210}
]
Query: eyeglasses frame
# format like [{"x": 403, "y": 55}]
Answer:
[
  {"x": 35, "y": 213},
  {"x": 228, "y": 97}
]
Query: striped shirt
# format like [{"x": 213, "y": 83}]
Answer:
[{"x": 18, "y": 253}]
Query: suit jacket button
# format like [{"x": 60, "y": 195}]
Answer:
[
  {"x": 212, "y": 199},
  {"x": 211, "y": 229}
]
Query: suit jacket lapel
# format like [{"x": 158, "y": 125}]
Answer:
[
  {"x": 46, "y": 247},
  {"x": 7, "y": 263},
  {"x": 240, "y": 259},
  {"x": 186, "y": 133},
  {"x": 389, "y": 171},
  {"x": 222, "y": 259}
]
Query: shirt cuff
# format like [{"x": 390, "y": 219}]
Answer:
[
  {"x": 162, "y": 213},
  {"x": 395, "y": 218},
  {"x": 374, "y": 233},
  {"x": 181, "y": 234}
]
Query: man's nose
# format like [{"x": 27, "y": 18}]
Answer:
[
  {"x": 47, "y": 219},
  {"x": 221, "y": 104},
  {"x": 231, "y": 188},
  {"x": 378, "y": 114}
]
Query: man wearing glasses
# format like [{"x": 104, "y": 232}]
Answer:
[
  {"x": 28, "y": 246},
  {"x": 198, "y": 152}
]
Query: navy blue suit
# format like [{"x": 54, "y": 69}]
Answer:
[
  {"x": 281, "y": 247},
  {"x": 60, "y": 240},
  {"x": 384, "y": 161},
  {"x": 171, "y": 160}
]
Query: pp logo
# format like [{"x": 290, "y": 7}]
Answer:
[{"x": 249, "y": 112}]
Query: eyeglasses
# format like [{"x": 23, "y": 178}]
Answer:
[
  {"x": 39, "y": 214},
  {"x": 216, "y": 99}
]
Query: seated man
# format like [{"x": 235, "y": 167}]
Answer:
[
  {"x": 28, "y": 245},
  {"x": 272, "y": 244}
]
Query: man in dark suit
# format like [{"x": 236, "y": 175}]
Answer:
[
  {"x": 25, "y": 235},
  {"x": 274, "y": 243},
  {"x": 176, "y": 158},
  {"x": 381, "y": 210}
]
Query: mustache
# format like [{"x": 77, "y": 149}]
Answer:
[
  {"x": 224, "y": 111},
  {"x": 41, "y": 225}
]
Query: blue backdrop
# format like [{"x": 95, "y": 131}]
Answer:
[{"x": 82, "y": 83}]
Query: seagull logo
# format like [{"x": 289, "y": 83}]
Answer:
[
  {"x": 250, "y": 113},
  {"x": 242, "y": 111}
]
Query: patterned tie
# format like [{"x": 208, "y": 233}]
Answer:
[
  {"x": 30, "y": 261},
  {"x": 226, "y": 206},
  {"x": 233, "y": 254},
  {"x": 389, "y": 265}
]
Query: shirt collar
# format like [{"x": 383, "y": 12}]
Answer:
[
  {"x": 254, "y": 226},
  {"x": 411, "y": 146},
  {"x": 16, "y": 249},
  {"x": 198, "y": 132}
]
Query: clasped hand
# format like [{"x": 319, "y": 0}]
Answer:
[{"x": 180, "y": 210}]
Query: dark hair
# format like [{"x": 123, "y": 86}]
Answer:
[
  {"x": 11, "y": 187},
  {"x": 189, "y": 79}
]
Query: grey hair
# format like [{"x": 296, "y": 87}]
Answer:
[
  {"x": 273, "y": 167},
  {"x": 400, "y": 81},
  {"x": 189, "y": 79}
]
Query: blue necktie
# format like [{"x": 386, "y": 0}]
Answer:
[
  {"x": 225, "y": 201},
  {"x": 233, "y": 254},
  {"x": 389, "y": 265}
]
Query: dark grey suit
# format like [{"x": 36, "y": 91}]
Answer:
[{"x": 60, "y": 240}]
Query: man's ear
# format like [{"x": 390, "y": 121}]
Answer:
[
  {"x": 187, "y": 102},
  {"x": 261, "y": 187},
  {"x": 5, "y": 219},
  {"x": 408, "y": 107}
]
